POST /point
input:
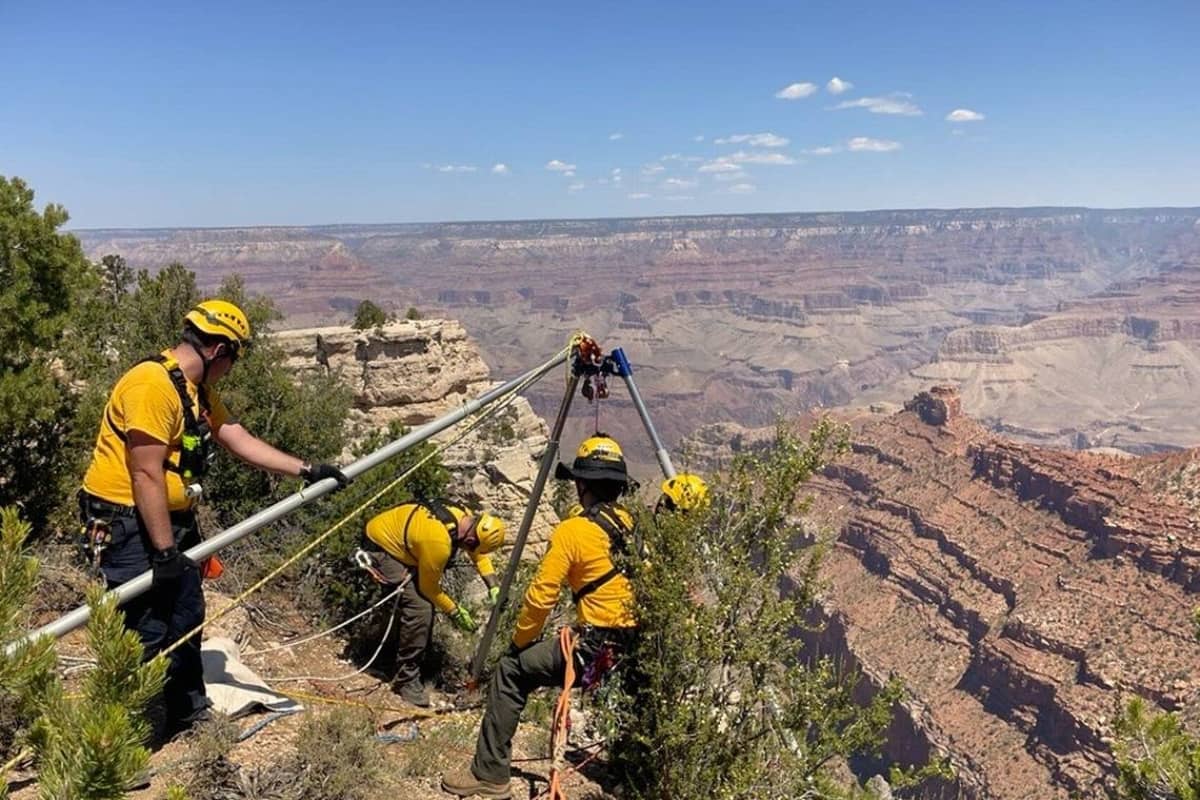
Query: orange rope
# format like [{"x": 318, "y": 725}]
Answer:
[{"x": 562, "y": 715}]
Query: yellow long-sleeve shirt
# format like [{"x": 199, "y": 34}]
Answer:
[
  {"x": 428, "y": 548},
  {"x": 578, "y": 554}
]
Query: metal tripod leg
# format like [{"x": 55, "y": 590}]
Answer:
[
  {"x": 625, "y": 370},
  {"x": 514, "y": 560}
]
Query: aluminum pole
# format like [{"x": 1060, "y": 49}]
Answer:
[
  {"x": 514, "y": 559},
  {"x": 625, "y": 370},
  {"x": 141, "y": 584}
]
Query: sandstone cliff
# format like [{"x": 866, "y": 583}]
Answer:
[
  {"x": 415, "y": 371},
  {"x": 1022, "y": 593}
]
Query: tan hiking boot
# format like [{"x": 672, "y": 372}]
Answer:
[{"x": 463, "y": 783}]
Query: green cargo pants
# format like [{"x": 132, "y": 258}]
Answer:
[
  {"x": 515, "y": 678},
  {"x": 412, "y": 627}
]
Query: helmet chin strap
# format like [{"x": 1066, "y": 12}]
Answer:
[{"x": 190, "y": 337}]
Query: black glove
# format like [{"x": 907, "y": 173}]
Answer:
[
  {"x": 312, "y": 473},
  {"x": 168, "y": 566}
]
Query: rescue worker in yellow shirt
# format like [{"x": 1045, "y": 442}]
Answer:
[
  {"x": 138, "y": 497},
  {"x": 585, "y": 552},
  {"x": 685, "y": 492},
  {"x": 416, "y": 541}
]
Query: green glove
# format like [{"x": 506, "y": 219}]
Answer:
[
  {"x": 493, "y": 596},
  {"x": 462, "y": 619}
]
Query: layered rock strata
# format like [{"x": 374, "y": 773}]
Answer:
[
  {"x": 744, "y": 317},
  {"x": 1021, "y": 593}
]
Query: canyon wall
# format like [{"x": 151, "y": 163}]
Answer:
[
  {"x": 1022, "y": 593},
  {"x": 742, "y": 318}
]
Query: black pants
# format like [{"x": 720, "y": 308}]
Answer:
[{"x": 161, "y": 616}]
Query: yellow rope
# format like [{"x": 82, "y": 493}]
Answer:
[{"x": 308, "y": 548}]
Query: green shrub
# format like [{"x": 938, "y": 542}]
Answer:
[
  {"x": 28, "y": 671},
  {"x": 338, "y": 756},
  {"x": 1156, "y": 757},
  {"x": 368, "y": 315},
  {"x": 724, "y": 701},
  {"x": 39, "y": 268}
]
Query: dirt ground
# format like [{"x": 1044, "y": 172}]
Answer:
[{"x": 432, "y": 740}]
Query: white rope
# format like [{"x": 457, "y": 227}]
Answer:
[
  {"x": 320, "y": 634},
  {"x": 383, "y": 639}
]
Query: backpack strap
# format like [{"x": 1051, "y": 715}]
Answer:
[
  {"x": 605, "y": 517},
  {"x": 438, "y": 511},
  {"x": 191, "y": 426}
]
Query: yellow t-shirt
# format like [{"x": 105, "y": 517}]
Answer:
[
  {"x": 578, "y": 554},
  {"x": 428, "y": 549},
  {"x": 145, "y": 400}
]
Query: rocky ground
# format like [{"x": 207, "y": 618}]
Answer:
[{"x": 434, "y": 740}]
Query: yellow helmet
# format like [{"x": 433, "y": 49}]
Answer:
[
  {"x": 686, "y": 491},
  {"x": 220, "y": 318},
  {"x": 599, "y": 458},
  {"x": 490, "y": 530},
  {"x": 487, "y": 527}
]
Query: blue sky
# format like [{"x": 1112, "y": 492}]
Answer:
[{"x": 173, "y": 114}]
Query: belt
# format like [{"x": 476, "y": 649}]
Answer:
[
  {"x": 93, "y": 504},
  {"x": 103, "y": 508}
]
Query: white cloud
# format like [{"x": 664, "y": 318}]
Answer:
[
  {"x": 653, "y": 169},
  {"x": 554, "y": 165},
  {"x": 613, "y": 137},
  {"x": 734, "y": 161},
  {"x": 575, "y": 187},
  {"x": 698, "y": 138},
  {"x": 759, "y": 157},
  {"x": 569, "y": 173},
  {"x": 964, "y": 115},
  {"x": 755, "y": 140},
  {"x": 892, "y": 104},
  {"x": 638, "y": 196},
  {"x": 727, "y": 177},
  {"x": 719, "y": 165},
  {"x": 742, "y": 188},
  {"x": 821, "y": 151},
  {"x": 836, "y": 85},
  {"x": 681, "y": 158},
  {"x": 865, "y": 144},
  {"x": 797, "y": 91},
  {"x": 679, "y": 183},
  {"x": 602, "y": 181},
  {"x": 456, "y": 168},
  {"x": 680, "y": 197},
  {"x": 501, "y": 169}
]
